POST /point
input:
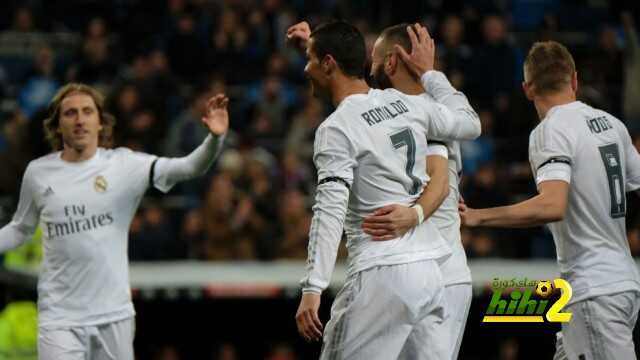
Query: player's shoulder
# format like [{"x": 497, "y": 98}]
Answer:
[
  {"x": 341, "y": 118},
  {"x": 118, "y": 151},
  {"x": 45, "y": 159},
  {"x": 336, "y": 119},
  {"x": 567, "y": 116},
  {"x": 127, "y": 157},
  {"x": 563, "y": 120},
  {"x": 43, "y": 163},
  {"x": 121, "y": 152}
]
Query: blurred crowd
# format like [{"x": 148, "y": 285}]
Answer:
[{"x": 158, "y": 62}]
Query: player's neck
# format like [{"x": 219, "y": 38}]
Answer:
[
  {"x": 347, "y": 86},
  {"x": 544, "y": 103},
  {"x": 76, "y": 155},
  {"x": 408, "y": 86}
]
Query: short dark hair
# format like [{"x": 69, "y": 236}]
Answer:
[
  {"x": 344, "y": 43},
  {"x": 397, "y": 34},
  {"x": 549, "y": 66}
]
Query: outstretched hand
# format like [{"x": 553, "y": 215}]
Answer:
[
  {"x": 217, "y": 117},
  {"x": 299, "y": 34},
  {"x": 423, "y": 50}
]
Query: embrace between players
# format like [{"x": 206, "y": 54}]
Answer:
[{"x": 408, "y": 290}]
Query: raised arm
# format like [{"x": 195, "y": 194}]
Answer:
[
  {"x": 25, "y": 220},
  {"x": 298, "y": 35},
  {"x": 166, "y": 172},
  {"x": 462, "y": 123},
  {"x": 453, "y": 117}
]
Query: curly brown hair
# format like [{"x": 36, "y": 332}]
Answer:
[{"x": 51, "y": 124}]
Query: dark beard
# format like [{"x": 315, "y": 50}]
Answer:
[{"x": 381, "y": 79}]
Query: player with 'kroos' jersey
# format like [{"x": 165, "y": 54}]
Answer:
[
  {"x": 84, "y": 197},
  {"x": 369, "y": 153},
  {"x": 583, "y": 162}
]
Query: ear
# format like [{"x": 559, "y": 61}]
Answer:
[
  {"x": 574, "y": 82},
  {"x": 391, "y": 64},
  {"x": 328, "y": 64},
  {"x": 528, "y": 90}
]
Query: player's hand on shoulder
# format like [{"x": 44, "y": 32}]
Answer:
[
  {"x": 307, "y": 320},
  {"x": 390, "y": 222},
  {"x": 423, "y": 50},
  {"x": 298, "y": 35},
  {"x": 216, "y": 117}
]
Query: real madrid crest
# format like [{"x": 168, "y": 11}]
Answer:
[{"x": 100, "y": 185}]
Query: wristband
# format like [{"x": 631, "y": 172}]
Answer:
[{"x": 420, "y": 212}]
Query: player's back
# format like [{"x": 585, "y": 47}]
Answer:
[
  {"x": 591, "y": 242},
  {"x": 387, "y": 138}
]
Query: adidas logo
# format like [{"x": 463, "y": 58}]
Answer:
[{"x": 48, "y": 192}]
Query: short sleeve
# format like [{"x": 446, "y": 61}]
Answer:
[
  {"x": 551, "y": 152},
  {"x": 334, "y": 155},
  {"x": 437, "y": 148}
]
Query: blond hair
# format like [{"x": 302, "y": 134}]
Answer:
[
  {"x": 51, "y": 124},
  {"x": 548, "y": 67}
]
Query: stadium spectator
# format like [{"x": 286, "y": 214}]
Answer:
[
  {"x": 495, "y": 67},
  {"x": 294, "y": 222},
  {"x": 97, "y": 64},
  {"x": 185, "y": 50},
  {"x": 454, "y": 54},
  {"x": 41, "y": 84}
]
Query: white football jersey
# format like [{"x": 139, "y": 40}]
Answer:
[
  {"x": 369, "y": 153},
  {"x": 85, "y": 210},
  {"x": 592, "y": 151},
  {"x": 446, "y": 218}
]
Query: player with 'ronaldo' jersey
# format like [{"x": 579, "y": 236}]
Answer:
[
  {"x": 84, "y": 197},
  {"x": 583, "y": 162},
  {"x": 369, "y": 153},
  {"x": 444, "y": 166}
]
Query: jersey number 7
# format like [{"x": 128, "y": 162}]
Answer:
[{"x": 405, "y": 138}]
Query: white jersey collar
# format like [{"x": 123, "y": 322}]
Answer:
[
  {"x": 571, "y": 105},
  {"x": 89, "y": 161}
]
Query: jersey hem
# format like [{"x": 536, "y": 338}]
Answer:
[
  {"x": 111, "y": 318},
  {"x": 405, "y": 258}
]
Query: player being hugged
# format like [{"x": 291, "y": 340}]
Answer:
[
  {"x": 369, "y": 153},
  {"x": 583, "y": 162},
  {"x": 439, "y": 200},
  {"x": 85, "y": 195}
]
